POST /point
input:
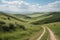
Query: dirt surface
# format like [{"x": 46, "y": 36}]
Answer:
[
  {"x": 39, "y": 38},
  {"x": 52, "y": 36}
]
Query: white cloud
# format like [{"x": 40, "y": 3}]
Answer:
[
  {"x": 55, "y": 6},
  {"x": 12, "y": 2},
  {"x": 21, "y": 6},
  {"x": 34, "y": 8},
  {"x": 16, "y": 5}
]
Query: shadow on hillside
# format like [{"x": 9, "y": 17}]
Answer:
[
  {"x": 54, "y": 18},
  {"x": 9, "y": 16},
  {"x": 23, "y": 16},
  {"x": 10, "y": 27}
]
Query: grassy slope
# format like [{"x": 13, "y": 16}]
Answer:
[
  {"x": 19, "y": 34},
  {"x": 31, "y": 30},
  {"x": 35, "y": 14},
  {"x": 23, "y": 17},
  {"x": 51, "y": 20},
  {"x": 55, "y": 27}
]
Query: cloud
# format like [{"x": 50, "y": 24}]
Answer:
[
  {"x": 16, "y": 5},
  {"x": 22, "y": 6},
  {"x": 55, "y": 6},
  {"x": 50, "y": 7},
  {"x": 15, "y": 2}
]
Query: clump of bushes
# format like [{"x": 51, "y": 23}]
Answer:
[
  {"x": 6, "y": 28},
  {"x": 10, "y": 27},
  {"x": 22, "y": 27},
  {"x": 8, "y": 18},
  {"x": 2, "y": 22}
]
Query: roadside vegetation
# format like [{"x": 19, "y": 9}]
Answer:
[
  {"x": 55, "y": 27},
  {"x": 12, "y": 28},
  {"x": 28, "y": 27}
]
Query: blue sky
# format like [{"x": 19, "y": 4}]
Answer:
[
  {"x": 29, "y": 5},
  {"x": 41, "y": 2}
]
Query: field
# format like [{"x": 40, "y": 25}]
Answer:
[
  {"x": 29, "y": 26},
  {"x": 55, "y": 27}
]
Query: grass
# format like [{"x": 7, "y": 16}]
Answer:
[
  {"x": 28, "y": 31},
  {"x": 18, "y": 34},
  {"x": 55, "y": 27},
  {"x": 45, "y": 36}
]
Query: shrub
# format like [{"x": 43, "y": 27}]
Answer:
[
  {"x": 0, "y": 39},
  {"x": 5, "y": 28},
  {"x": 1, "y": 22},
  {"x": 22, "y": 27},
  {"x": 11, "y": 26},
  {"x": 4, "y": 18},
  {"x": 8, "y": 18}
]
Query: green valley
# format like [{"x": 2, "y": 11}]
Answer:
[{"x": 35, "y": 26}]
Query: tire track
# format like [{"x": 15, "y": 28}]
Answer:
[
  {"x": 52, "y": 36},
  {"x": 39, "y": 38}
]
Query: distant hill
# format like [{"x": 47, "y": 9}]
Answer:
[
  {"x": 9, "y": 22},
  {"x": 55, "y": 17},
  {"x": 22, "y": 15},
  {"x": 13, "y": 16},
  {"x": 36, "y": 14}
]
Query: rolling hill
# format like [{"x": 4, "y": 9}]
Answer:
[
  {"x": 28, "y": 26},
  {"x": 49, "y": 18},
  {"x": 13, "y": 27}
]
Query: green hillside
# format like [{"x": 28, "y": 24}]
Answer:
[
  {"x": 55, "y": 27},
  {"x": 22, "y": 16},
  {"x": 13, "y": 27},
  {"x": 35, "y": 14},
  {"x": 28, "y": 26},
  {"x": 12, "y": 16},
  {"x": 49, "y": 18}
]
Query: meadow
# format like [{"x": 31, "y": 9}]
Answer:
[{"x": 28, "y": 26}]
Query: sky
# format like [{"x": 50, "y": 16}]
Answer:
[{"x": 30, "y": 5}]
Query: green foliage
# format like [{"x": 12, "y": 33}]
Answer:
[
  {"x": 55, "y": 17},
  {"x": 55, "y": 27},
  {"x": 20, "y": 27},
  {"x": 15, "y": 28},
  {"x": 1, "y": 22}
]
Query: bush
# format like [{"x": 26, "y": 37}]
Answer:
[
  {"x": 12, "y": 27},
  {"x": 5, "y": 28},
  {"x": 8, "y": 18},
  {"x": 22, "y": 27},
  {"x": 1, "y": 22},
  {"x": 4, "y": 18}
]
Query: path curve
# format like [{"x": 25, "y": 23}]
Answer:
[
  {"x": 52, "y": 36},
  {"x": 39, "y": 38}
]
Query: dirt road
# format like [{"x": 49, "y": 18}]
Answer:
[
  {"x": 39, "y": 38},
  {"x": 52, "y": 36}
]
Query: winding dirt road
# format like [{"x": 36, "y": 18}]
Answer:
[
  {"x": 39, "y": 38},
  {"x": 52, "y": 36}
]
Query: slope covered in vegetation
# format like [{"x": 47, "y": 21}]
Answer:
[
  {"x": 54, "y": 17},
  {"x": 15, "y": 28}
]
